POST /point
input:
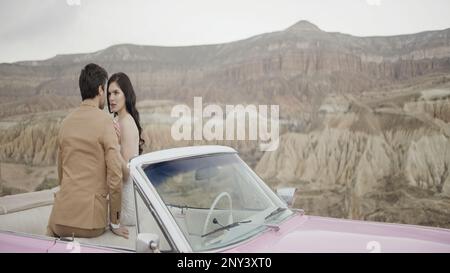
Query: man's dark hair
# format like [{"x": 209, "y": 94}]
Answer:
[{"x": 91, "y": 77}]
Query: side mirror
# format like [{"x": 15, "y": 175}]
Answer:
[
  {"x": 287, "y": 195},
  {"x": 147, "y": 243}
]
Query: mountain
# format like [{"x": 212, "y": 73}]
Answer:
[{"x": 293, "y": 67}]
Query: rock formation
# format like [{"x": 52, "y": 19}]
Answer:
[{"x": 393, "y": 166}]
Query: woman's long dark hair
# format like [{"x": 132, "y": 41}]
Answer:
[{"x": 130, "y": 100}]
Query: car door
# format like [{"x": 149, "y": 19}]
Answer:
[
  {"x": 12, "y": 242},
  {"x": 69, "y": 246}
]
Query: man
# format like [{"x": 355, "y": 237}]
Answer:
[{"x": 88, "y": 166}]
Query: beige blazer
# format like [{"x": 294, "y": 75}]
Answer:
[{"x": 89, "y": 170}]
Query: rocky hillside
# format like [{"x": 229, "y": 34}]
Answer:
[{"x": 373, "y": 162}]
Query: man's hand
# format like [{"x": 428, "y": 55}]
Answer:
[{"x": 121, "y": 231}]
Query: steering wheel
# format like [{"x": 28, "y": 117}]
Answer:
[{"x": 216, "y": 200}]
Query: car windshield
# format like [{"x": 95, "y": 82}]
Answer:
[{"x": 216, "y": 200}]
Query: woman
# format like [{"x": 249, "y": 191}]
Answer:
[{"x": 122, "y": 102}]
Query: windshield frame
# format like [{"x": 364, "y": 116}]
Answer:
[
  {"x": 153, "y": 197},
  {"x": 248, "y": 235}
]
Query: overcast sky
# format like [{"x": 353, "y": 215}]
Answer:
[{"x": 40, "y": 29}]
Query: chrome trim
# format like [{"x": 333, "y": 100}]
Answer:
[
  {"x": 56, "y": 240},
  {"x": 300, "y": 211},
  {"x": 274, "y": 227},
  {"x": 108, "y": 247},
  {"x": 155, "y": 215},
  {"x": 30, "y": 235},
  {"x": 172, "y": 228}
]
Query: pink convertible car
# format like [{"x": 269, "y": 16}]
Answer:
[{"x": 206, "y": 199}]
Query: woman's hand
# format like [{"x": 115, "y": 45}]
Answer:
[{"x": 117, "y": 128}]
